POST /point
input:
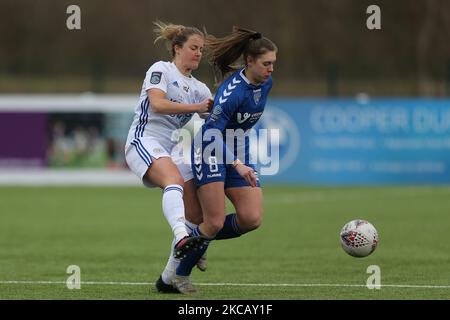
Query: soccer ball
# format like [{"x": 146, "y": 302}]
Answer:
[{"x": 359, "y": 238}]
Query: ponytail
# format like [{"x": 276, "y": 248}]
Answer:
[{"x": 224, "y": 53}]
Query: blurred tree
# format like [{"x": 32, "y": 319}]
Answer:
[
  {"x": 114, "y": 47},
  {"x": 433, "y": 47}
]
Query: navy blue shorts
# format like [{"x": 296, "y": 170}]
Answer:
[{"x": 206, "y": 173}]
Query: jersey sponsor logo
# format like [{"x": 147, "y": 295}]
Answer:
[
  {"x": 155, "y": 77},
  {"x": 241, "y": 118},
  {"x": 175, "y": 84},
  {"x": 257, "y": 95},
  {"x": 255, "y": 117},
  {"x": 181, "y": 118}
]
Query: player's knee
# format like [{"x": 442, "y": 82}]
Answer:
[
  {"x": 217, "y": 226},
  {"x": 251, "y": 221},
  {"x": 174, "y": 179},
  {"x": 163, "y": 180},
  {"x": 178, "y": 180},
  {"x": 253, "y": 224},
  {"x": 214, "y": 226}
]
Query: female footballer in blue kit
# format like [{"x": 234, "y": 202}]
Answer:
[{"x": 226, "y": 170}]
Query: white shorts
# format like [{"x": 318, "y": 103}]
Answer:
[{"x": 139, "y": 154}]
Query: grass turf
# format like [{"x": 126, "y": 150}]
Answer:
[{"x": 119, "y": 235}]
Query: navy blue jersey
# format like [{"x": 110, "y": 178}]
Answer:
[{"x": 238, "y": 104}]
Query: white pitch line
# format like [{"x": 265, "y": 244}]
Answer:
[{"x": 226, "y": 284}]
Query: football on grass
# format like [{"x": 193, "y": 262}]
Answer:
[{"x": 359, "y": 238}]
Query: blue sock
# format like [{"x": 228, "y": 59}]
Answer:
[
  {"x": 187, "y": 264},
  {"x": 230, "y": 228}
]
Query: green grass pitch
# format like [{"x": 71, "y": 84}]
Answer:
[{"x": 119, "y": 238}]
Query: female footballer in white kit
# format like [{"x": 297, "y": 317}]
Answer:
[{"x": 169, "y": 97}]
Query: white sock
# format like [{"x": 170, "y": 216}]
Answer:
[
  {"x": 171, "y": 266},
  {"x": 173, "y": 208}
]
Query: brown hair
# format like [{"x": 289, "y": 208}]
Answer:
[
  {"x": 224, "y": 52},
  {"x": 175, "y": 35}
]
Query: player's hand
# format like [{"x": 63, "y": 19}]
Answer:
[
  {"x": 247, "y": 173},
  {"x": 205, "y": 106}
]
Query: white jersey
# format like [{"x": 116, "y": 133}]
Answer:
[{"x": 178, "y": 88}]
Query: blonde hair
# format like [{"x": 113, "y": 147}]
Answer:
[{"x": 174, "y": 34}]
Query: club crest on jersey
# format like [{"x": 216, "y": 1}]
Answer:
[
  {"x": 217, "y": 110},
  {"x": 186, "y": 88},
  {"x": 241, "y": 118},
  {"x": 256, "y": 95},
  {"x": 155, "y": 77}
]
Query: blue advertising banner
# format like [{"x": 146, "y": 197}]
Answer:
[{"x": 365, "y": 141}]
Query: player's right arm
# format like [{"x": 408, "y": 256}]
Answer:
[
  {"x": 245, "y": 172},
  {"x": 160, "y": 104},
  {"x": 155, "y": 84}
]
